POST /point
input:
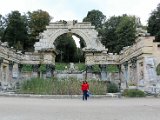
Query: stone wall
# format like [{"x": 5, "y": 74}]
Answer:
[
  {"x": 137, "y": 63},
  {"x": 11, "y": 62}
]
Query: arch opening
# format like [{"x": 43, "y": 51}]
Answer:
[{"x": 67, "y": 49}]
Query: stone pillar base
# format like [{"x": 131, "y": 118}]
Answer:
[
  {"x": 35, "y": 72},
  {"x": 49, "y": 70},
  {"x": 103, "y": 72},
  {"x": 89, "y": 74},
  {"x": 35, "y": 75}
]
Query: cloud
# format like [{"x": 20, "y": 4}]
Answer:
[
  {"x": 77, "y": 40},
  {"x": 78, "y": 9},
  {"x": 61, "y": 11},
  {"x": 140, "y": 8}
]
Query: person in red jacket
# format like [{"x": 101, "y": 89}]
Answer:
[{"x": 85, "y": 88}]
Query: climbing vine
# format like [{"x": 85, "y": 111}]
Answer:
[{"x": 158, "y": 69}]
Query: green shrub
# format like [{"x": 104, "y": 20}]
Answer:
[
  {"x": 61, "y": 66},
  {"x": 158, "y": 69},
  {"x": 109, "y": 68},
  {"x": 97, "y": 87},
  {"x": 27, "y": 67},
  {"x": 96, "y": 68},
  {"x": 42, "y": 68},
  {"x": 133, "y": 93},
  {"x": 54, "y": 86},
  {"x": 81, "y": 66},
  {"x": 112, "y": 68},
  {"x": 112, "y": 88}
]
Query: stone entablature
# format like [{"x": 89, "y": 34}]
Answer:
[
  {"x": 43, "y": 57},
  {"x": 70, "y": 24},
  {"x": 9, "y": 54},
  {"x": 30, "y": 58},
  {"x": 143, "y": 45},
  {"x": 101, "y": 58}
]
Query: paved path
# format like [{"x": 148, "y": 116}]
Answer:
[{"x": 19, "y": 108}]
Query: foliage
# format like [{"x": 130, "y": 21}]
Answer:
[
  {"x": 157, "y": 37},
  {"x": 80, "y": 66},
  {"x": 58, "y": 66},
  {"x": 66, "y": 47},
  {"x": 108, "y": 33},
  {"x": 96, "y": 18},
  {"x": 112, "y": 68},
  {"x": 126, "y": 32},
  {"x": 27, "y": 68},
  {"x": 82, "y": 43},
  {"x": 109, "y": 68},
  {"x": 21, "y": 31},
  {"x": 112, "y": 87},
  {"x": 97, "y": 87},
  {"x": 37, "y": 21},
  {"x": 118, "y": 32},
  {"x": 16, "y": 32},
  {"x": 133, "y": 93},
  {"x": 96, "y": 68},
  {"x": 42, "y": 68},
  {"x": 54, "y": 86},
  {"x": 80, "y": 55},
  {"x": 154, "y": 23},
  {"x": 61, "y": 66},
  {"x": 2, "y": 26},
  {"x": 158, "y": 69}
]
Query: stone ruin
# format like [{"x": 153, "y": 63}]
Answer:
[{"x": 137, "y": 63}]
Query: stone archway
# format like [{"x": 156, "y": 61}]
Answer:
[{"x": 84, "y": 30}]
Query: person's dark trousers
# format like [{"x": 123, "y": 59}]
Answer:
[{"x": 84, "y": 94}]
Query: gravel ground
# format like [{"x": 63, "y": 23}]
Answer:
[{"x": 21, "y": 108}]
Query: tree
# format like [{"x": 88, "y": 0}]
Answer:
[
  {"x": 126, "y": 32},
  {"x": 37, "y": 22},
  {"x": 16, "y": 31},
  {"x": 109, "y": 35},
  {"x": 2, "y": 26},
  {"x": 154, "y": 23},
  {"x": 67, "y": 49},
  {"x": 96, "y": 18},
  {"x": 118, "y": 32}
]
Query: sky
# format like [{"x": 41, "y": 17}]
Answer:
[{"x": 78, "y": 9}]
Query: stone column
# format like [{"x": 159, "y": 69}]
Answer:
[
  {"x": 134, "y": 68},
  {"x": 49, "y": 70},
  {"x": 119, "y": 76},
  {"x": 146, "y": 78},
  {"x": 129, "y": 71},
  {"x": 103, "y": 72},
  {"x": 1, "y": 61},
  {"x": 10, "y": 73},
  {"x": 138, "y": 73},
  {"x": 35, "y": 70},
  {"x": 19, "y": 71},
  {"x": 89, "y": 70},
  {"x": 126, "y": 72},
  {"x": 150, "y": 76}
]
